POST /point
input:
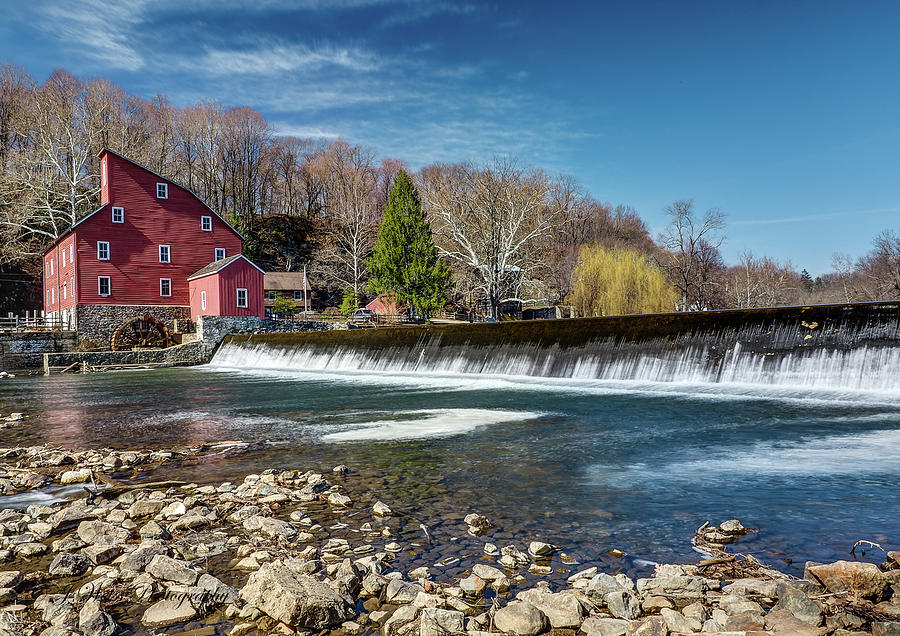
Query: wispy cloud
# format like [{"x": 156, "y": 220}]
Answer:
[
  {"x": 305, "y": 132},
  {"x": 280, "y": 58},
  {"x": 99, "y": 30},
  {"x": 814, "y": 217}
]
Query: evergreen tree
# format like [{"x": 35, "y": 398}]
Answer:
[
  {"x": 349, "y": 302},
  {"x": 807, "y": 281},
  {"x": 405, "y": 262}
]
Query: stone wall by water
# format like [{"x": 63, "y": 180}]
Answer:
[
  {"x": 25, "y": 349},
  {"x": 96, "y": 323}
]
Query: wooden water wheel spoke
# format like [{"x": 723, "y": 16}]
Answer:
[{"x": 140, "y": 331}]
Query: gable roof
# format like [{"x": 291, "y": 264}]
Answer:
[
  {"x": 284, "y": 281},
  {"x": 158, "y": 176},
  {"x": 218, "y": 266},
  {"x": 167, "y": 180}
]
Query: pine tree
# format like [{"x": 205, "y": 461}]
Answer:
[
  {"x": 405, "y": 262},
  {"x": 807, "y": 281}
]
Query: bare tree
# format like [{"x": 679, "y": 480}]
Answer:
[
  {"x": 691, "y": 257},
  {"x": 762, "y": 282},
  {"x": 489, "y": 218}
]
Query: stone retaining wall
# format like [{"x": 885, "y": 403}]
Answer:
[
  {"x": 21, "y": 350},
  {"x": 96, "y": 323}
]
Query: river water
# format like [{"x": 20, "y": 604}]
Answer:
[{"x": 588, "y": 464}]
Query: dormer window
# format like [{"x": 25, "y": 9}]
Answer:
[
  {"x": 206, "y": 223},
  {"x": 118, "y": 215},
  {"x": 220, "y": 253},
  {"x": 162, "y": 190}
]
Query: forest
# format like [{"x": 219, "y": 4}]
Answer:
[{"x": 504, "y": 229}]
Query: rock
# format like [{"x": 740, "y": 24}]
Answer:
[
  {"x": 522, "y": 618},
  {"x": 798, "y": 604},
  {"x": 624, "y": 605},
  {"x": 653, "y": 626},
  {"x": 419, "y": 573},
  {"x": 477, "y": 523},
  {"x": 10, "y": 578},
  {"x": 68, "y": 564},
  {"x": 562, "y": 609},
  {"x": 297, "y": 600},
  {"x": 402, "y": 622},
  {"x": 861, "y": 579},
  {"x": 745, "y": 587},
  {"x": 337, "y": 499},
  {"x": 891, "y": 628},
  {"x": 217, "y": 590},
  {"x": 101, "y": 554},
  {"x": 472, "y": 586},
  {"x": 539, "y": 548},
  {"x": 152, "y": 530},
  {"x": 678, "y": 622},
  {"x": 100, "y": 532},
  {"x": 170, "y": 611},
  {"x": 139, "y": 559},
  {"x": 275, "y": 528},
  {"x": 381, "y": 509},
  {"x": 602, "y": 584},
  {"x": 487, "y": 572},
  {"x": 733, "y": 605},
  {"x": 696, "y": 611},
  {"x": 781, "y": 621},
  {"x": 656, "y": 603},
  {"x": 93, "y": 621},
  {"x": 400, "y": 592},
  {"x": 173, "y": 510},
  {"x": 31, "y": 549},
  {"x": 732, "y": 526},
  {"x": 746, "y": 622},
  {"x": 145, "y": 508},
  {"x": 680, "y": 587},
  {"x": 604, "y": 626},
  {"x": 75, "y": 476},
  {"x": 441, "y": 622},
  {"x": 189, "y": 522},
  {"x": 169, "y": 569}
]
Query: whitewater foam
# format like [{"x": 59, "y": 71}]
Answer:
[{"x": 424, "y": 424}]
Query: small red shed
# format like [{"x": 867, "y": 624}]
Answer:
[{"x": 232, "y": 286}]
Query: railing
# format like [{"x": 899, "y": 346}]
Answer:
[{"x": 26, "y": 323}]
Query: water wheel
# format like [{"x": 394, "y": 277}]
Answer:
[{"x": 140, "y": 331}]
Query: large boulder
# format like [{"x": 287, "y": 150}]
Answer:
[
  {"x": 441, "y": 622},
  {"x": 68, "y": 564},
  {"x": 102, "y": 533},
  {"x": 604, "y": 626},
  {"x": 170, "y": 611},
  {"x": 860, "y": 579},
  {"x": 93, "y": 621},
  {"x": 521, "y": 618},
  {"x": 294, "y": 599},
  {"x": 562, "y": 609}
]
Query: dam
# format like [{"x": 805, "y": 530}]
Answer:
[{"x": 622, "y": 433}]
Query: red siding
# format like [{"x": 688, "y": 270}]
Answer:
[
  {"x": 58, "y": 287},
  {"x": 134, "y": 268},
  {"x": 209, "y": 284},
  {"x": 221, "y": 291}
]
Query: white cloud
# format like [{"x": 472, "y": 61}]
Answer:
[
  {"x": 280, "y": 58},
  {"x": 98, "y": 30}
]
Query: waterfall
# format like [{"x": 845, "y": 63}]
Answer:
[{"x": 871, "y": 368}]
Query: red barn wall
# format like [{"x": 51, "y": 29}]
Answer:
[
  {"x": 134, "y": 267},
  {"x": 209, "y": 284},
  {"x": 243, "y": 275}
]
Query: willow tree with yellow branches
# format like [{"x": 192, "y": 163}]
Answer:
[{"x": 610, "y": 282}]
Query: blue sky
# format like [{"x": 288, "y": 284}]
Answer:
[{"x": 784, "y": 115}]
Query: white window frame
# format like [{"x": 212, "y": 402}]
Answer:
[
  {"x": 162, "y": 190},
  {"x": 65, "y": 289},
  {"x": 271, "y": 295},
  {"x": 99, "y": 253},
  {"x": 52, "y": 296},
  {"x": 103, "y": 172},
  {"x": 206, "y": 223},
  {"x": 62, "y": 260},
  {"x": 51, "y": 267},
  {"x": 161, "y": 282},
  {"x": 222, "y": 250},
  {"x": 246, "y": 298},
  {"x": 168, "y": 253},
  {"x": 203, "y": 300},
  {"x": 72, "y": 251},
  {"x": 121, "y": 212},
  {"x": 72, "y": 285},
  {"x": 100, "y": 280}
]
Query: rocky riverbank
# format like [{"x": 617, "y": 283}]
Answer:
[{"x": 291, "y": 552}]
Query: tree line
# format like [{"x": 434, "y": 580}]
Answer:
[{"x": 498, "y": 229}]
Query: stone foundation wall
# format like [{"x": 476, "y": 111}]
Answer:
[
  {"x": 180, "y": 355},
  {"x": 21, "y": 350},
  {"x": 213, "y": 329},
  {"x": 96, "y": 323}
]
